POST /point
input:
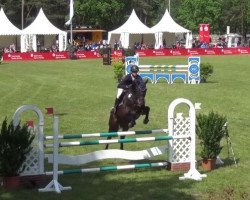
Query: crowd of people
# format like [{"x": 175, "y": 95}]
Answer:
[
  {"x": 10, "y": 49},
  {"x": 89, "y": 46},
  {"x": 221, "y": 42}
]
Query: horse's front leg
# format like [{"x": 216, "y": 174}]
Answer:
[
  {"x": 146, "y": 113},
  {"x": 124, "y": 128},
  {"x": 107, "y": 145},
  {"x": 113, "y": 126},
  {"x": 121, "y": 145},
  {"x": 131, "y": 120}
]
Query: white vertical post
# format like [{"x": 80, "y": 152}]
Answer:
[
  {"x": 192, "y": 173},
  {"x": 54, "y": 185},
  {"x": 71, "y": 33},
  {"x": 169, "y": 6},
  {"x": 16, "y": 119},
  {"x": 228, "y": 30},
  {"x": 22, "y": 12}
]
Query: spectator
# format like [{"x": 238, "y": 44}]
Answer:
[
  {"x": 12, "y": 48},
  {"x": 164, "y": 43},
  {"x": 116, "y": 45}
]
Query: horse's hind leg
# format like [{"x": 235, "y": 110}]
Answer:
[{"x": 132, "y": 122}]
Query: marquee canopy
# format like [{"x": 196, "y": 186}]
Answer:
[
  {"x": 130, "y": 32},
  {"x": 167, "y": 28},
  {"x": 41, "y": 26},
  {"x": 8, "y": 32},
  {"x": 7, "y": 28}
]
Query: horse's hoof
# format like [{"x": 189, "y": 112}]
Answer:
[{"x": 145, "y": 121}]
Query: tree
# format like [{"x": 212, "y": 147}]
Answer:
[
  {"x": 11, "y": 8},
  {"x": 55, "y": 10},
  {"x": 105, "y": 14},
  {"x": 236, "y": 15},
  {"x": 110, "y": 14},
  {"x": 191, "y": 13},
  {"x": 149, "y": 11}
]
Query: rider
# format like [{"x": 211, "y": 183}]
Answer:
[{"x": 125, "y": 82}]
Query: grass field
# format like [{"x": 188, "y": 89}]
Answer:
[{"x": 84, "y": 90}]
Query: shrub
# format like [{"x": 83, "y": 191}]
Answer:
[
  {"x": 206, "y": 70},
  {"x": 119, "y": 70},
  {"x": 15, "y": 144},
  {"x": 210, "y": 130}
]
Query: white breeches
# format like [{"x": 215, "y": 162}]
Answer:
[{"x": 119, "y": 92}]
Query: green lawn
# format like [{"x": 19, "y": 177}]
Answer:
[{"x": 85, "y": 90}]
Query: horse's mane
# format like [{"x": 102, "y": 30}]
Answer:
[{"x": 138, "y": 86}]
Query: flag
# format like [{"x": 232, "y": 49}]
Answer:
[
  {"x": 71, "y": 12},
  {"x": 50, "y": 111}
]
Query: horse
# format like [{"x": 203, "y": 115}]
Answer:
[{"x": 129, "y": 110}]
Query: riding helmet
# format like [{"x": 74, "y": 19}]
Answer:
[{"x": 134, "y": 68}]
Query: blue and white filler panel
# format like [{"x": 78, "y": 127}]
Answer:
[{"x": 189, "y": 73}]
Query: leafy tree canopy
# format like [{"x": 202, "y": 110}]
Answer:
[{"x": 110, "y": 14}]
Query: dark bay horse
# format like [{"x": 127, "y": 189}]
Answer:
[{"x": 130, "y": 109}]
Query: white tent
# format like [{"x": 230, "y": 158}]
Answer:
[
  {"x": 42, "y": 26},
  {"x": 167, "y": 29},
  {"x": 9, "y": 34},
  {"x": 133, "y": 30}
]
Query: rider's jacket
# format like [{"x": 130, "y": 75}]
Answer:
[{"x": 128, "y": 80}]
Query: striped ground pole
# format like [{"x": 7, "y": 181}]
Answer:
[
  {"x": 126, "y": 140},
  {"x": 110, "y": 168},
  {"x": 106, "y": 134}
]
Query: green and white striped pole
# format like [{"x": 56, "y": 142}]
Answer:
[
  {"x": 110, "y": 168},
  {"x": 107, "y": 134},
  {"x": 114, "y": 141}
]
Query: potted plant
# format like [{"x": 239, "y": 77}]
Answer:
[
  {"x": 15, "y": 144},
  {"x": 210, "y": 130}
]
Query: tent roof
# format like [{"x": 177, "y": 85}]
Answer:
[
  {"x": 167, "y": 24},
  {"x": 7, "y": 28},
  {"x": 42, "y": 26},
  {"x": 133, "y": 26}
]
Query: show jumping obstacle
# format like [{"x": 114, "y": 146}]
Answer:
[
  {"x": 189, "y": 73},
  {"x": 181, "y": 147}
]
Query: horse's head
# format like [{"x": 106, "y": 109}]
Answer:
[{"x": 137, "y": 92}]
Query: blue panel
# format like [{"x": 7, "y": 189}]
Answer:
[
  {"x": 194, "y": 69},
  {"x": 181, "y": 76},
  {"x": 129, "y": 61},
  {"x": 149, "y": 76},
  {"x": 162, "y": 75}
]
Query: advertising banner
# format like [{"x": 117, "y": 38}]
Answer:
[
  {"x": 204, "y": 33},
  {"x": 32, "y": 56}
]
